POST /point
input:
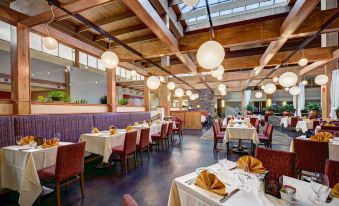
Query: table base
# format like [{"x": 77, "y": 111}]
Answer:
[{"x": 104, "y": 165}]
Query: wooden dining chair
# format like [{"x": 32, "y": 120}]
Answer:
[
  {"x": 69, "y": 167},
  {"x": 143, "y": 144},
  {"x": 332, "y": 171},
  {"x": 122, "y": 153},
  {"x": 266, "y": 139},
  {"x": 253, "y": 121},
  {"x": 160, "y": 138},
  {"x": 222, "y": 128},
  {"x": 169, "y": 134},
  {"x": 128, "y": 200},
  {"x": 218, "y": 137},
  {"x": 257, "y": 125},
  {"x": 178, "y": 127}
]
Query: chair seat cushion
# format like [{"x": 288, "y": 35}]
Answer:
[
  {"x": 118, "y": 149},
  {"x": 220, "y": 135},
  {"x": 264, "y": 138},
  {"x": 156, "y": 136},
  {"x": 47, "y": 173},
  {"x": 176, "y": 129}
]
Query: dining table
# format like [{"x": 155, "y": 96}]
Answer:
[
  {"x": 19, "y": 167},
  {"x": 284, "y": 121},
  {"x": 304, "y": 125},
  {"x": 185, "y": 193}
]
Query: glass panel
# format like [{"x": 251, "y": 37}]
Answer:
[
  {"x": 92, "y": 61},
  {"x": 142, "y": 78},
  {"x": 65, "y": 52},
  {"x": 117, "y": 71},
  {"x": 101, "y": 66},
  {"x": 122, "y": 72},
  {"x": 83, "y": 58},
  {"x": 35, "y": 41},
  {"x": 128, "y": 74},
  {"x": 5, "y": 31}
]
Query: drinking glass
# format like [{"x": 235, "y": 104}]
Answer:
[
  {"x": 18, "y": 140},
  {"x": 320, "y": 186},
  {"x": 244, "y": 177},
  {"x": 222, "y": 159}
]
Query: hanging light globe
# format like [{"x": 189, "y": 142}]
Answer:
[
  {"x": 303, "y": 62},
  {"x": 188, "y": 92},
  {"x": 210, "y": 54},
  {"x": 153, "y": 82},
  {"x": 109, "y": 59},
  {"x": 49, "y": 43},
  {"x": 288, "y": 79},
  {"x": 179, "y": 92},
  {"x": 321, "y": 79},
  {"x": 286, "y": 89},
  {"x": 222, "y": 87},
  {"x": 262, "y": 87},
  {"x": 192, "y": 97},
  {"x": 220, "y": 70},
  {"x": 275, "y": 79},
  {"x": 162, "y": 79},
  {"x": 214, "y": 73},
  {"x": 258, "y": 95},
  {"x": 270, "y": 88},
  {"x": 304, "y": 82},
  {"x": 190, "y": 2},
  {"x": 219, "y": 78},
  {"x": 170, "y": 85},
  {"x": 223, "y": 93},
  {"x": 295, "y": 90},
  {"x": 196, "y": 96}
]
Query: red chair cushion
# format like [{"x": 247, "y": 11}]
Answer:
[
  {"x": 263, "y": 137},
  {"x": 220, "y": 136},
  {"x": 176, "y": 129},
  {"x": 118, "y": 149},
  {"x": 47, "y": 173},
  {"x": 128, "y": 200}
]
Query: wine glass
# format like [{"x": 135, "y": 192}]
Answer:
[
  {"x": 243, "y": 178},
  {"x": 320, "y": 186},
  {"x": 18, "y": 140},
  {"x": 222, "y": 159}
]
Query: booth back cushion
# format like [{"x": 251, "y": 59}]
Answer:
[{"x": 7, "y": 136}]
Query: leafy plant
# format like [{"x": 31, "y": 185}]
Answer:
[
  {"x": 249, "y": 107},
  {"x": 313, "y": 107},
  {"x": 287, "y": 108},
  {"x": 123, "y": 101},
  {"x": 103, "y": 100},
  {"x": 58, "y": 96},
  {"x": 81, "y": 101},
  {"x": 268, "y": 108},
  {"x": 41, "y": 98}
]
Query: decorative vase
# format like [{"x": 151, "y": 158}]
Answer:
[
  {"x": 269, "y": 113},
  {"x": 286, "y": 113},
  {"x": 313, "y": 114}
]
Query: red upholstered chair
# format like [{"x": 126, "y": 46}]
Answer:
[
  {"x": 278, "y": 163},
  {"x": 123, "y": 152},
  {"x": 222, "y": 128},
  {"x": 266, "y": 119},
  {"x": 169, "y": 134},
  {"x": 332, "y": 171},
  {"x": 293, "y": 123},
  {"x": 253, "y": 120},
  {"x": 257, "y": 125},
  {"x": 160, "y": 137},
  {"x": 219, "y": 131},
  {"x": 330, "y": 128},
  {"x": 128, "y": 200},
  {"x": 143, "y": 144},
  {"x": 178, "y": 127},
  {"x": 228, "y": 120},
  {"x": 267, "y": 138},
  {"x": 69, "y": 167},
  {"x": 265, "y": 129},
  {"x": 218, "y": 137},
  {"x": 310, "y": 156}
]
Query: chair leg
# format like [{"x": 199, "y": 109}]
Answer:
[
  {"x": 140, "y": 152},
  {"x": 82, "y": 182},
  {"x": 148, "y": 153},
  {"x": 135, "y": 159},
  {"x": 125, "y": 165},
  {"x": 58, "y": 192}
]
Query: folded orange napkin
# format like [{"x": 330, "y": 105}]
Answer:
[
  {"x": 129, "y": 128},
  {"x": 113, "y": 131},
  {"x": 335, "y": 190},
  {"x": 95, "y": 130},
  {"x": 210, "y": 182},
  {"x": 26, "y": 140},
  {"x": 51, "y": 143},
  {"x": 254, "y": 165},
  {"x": 330, "y": 125},
  {"x": 322, "y": 137}
]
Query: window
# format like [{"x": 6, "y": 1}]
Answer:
[
  {"x": 92, "y": 61},
  {"x": 5, "y": 31},
  {"x": 83, "y": 58},
  {"x": 101, "y": 66},
  {"x": 128, "y": 74},
  {"x": 117, "y": 71},
  {"x": 65, "y": 52},
  {"x": 35, "y": 41}
]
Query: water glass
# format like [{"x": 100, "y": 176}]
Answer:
[
  {"x": 222, "y": 159},
  {"x": 320, "y": 186}
]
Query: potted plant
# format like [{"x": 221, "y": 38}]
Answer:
[
  {"x": 268, "y": 110},
  {"x": 123, "y": 101},
  {"x": 58, "y": 96},
  {"x": 313, "y": 110},
  {"x": 287, "y": 109},
  {"x": 103, "y": 100},
  {"x": 249, "y": 109},
  {"x": 41, "y": 98}
]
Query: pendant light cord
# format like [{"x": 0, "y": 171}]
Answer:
[
  {"x": 210, "y": 20},
  {"x": 50, "y": 20}
]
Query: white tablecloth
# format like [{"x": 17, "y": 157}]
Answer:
[
  {"x": 304, "y": 126},
  {"x": 241, "y": 133},
  {"x": 19, "y": 170},
  {"x": 182, "y": 194},
  {"x": 203, "y": 118},
  {"x": 333, "y": 147},
  {"x": 284, "y": 122}
]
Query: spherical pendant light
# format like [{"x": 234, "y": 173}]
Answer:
[
  {"x": 275, "y": 79},
  {"x": 190, "y": 2},
  {"x": 179, "y": 92},
  {"x": 270, "y": 88},
  {"x": 49, "y": 43},
  {"x": 188, "y": 92},
  {"x": 262, "y": 87},
  {"x": 153, "y": 82},
  {"x": 222, "y": 87},
  {"x": 258, "y": 95},
  {"x": 321, "y": 79},
  {"x": 288, "y": 79},
  {"x": 295, "y": 90},
  {"x": 214, "y": 73},
  {"x": 192, "y": 97},
  {"x": 196, "y": 96},
  {"x": 170, "y": 85},
  {"x": 286, "y": 89},
  {"x": 210, "y": 54},
  {"x": 219, "y": 78},
  {"x": 223, "y": 93},
  {"x": 109, "y": 59},
  {"x": 304, "y": 82},
  {"x": 220, "y": 70},
  {"x": 303, "y": 62}
]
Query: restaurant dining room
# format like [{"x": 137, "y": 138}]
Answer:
[{"x": 169, "y": 102}]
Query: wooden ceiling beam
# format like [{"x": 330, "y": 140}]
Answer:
[
  {"x": 123, "y": 31},
  {"x": 74, "y": 7},
  {"x": 131, "y": 66},
  {"x": 10, "y": 16},
  {"x": 139, "y": 39}
]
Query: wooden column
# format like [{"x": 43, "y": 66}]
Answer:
[
  {"x": 111, "y": 90},
  {"x": 269, "y": 99},
  {"x": 20, "y": 69},
  {"x": 76, "y": 62},
  {"x": 163, "y": 91},
  {"x": 147, "y": 97},
  {"x": 68, "y": 82},
  {"x": 242, "y": 102},
  {"x": 180, "y": 103}
]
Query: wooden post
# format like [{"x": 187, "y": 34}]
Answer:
[
  {"x": 111, "y": 90},
  {"x": 242, "y": 102},
  {"x": 269, "y": 100},
  {"x": 147, "y": 97},
  {"x": 76, "y": 58},
  {"x": 68, "y": 82},
  {"x": 20, "y": 69},
  {"x": 180, "y": 103}
]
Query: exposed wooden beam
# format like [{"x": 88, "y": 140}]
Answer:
[
  {"x": 10, "y": 16},
  {"x": 75, "y": 7},
  {"x": 131, "y": 66},
  {"x": 138, "y": 39},
  {"x": 123, "y": 31}
]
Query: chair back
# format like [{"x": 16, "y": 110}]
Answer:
[
  {"x": 128, "y": 200},
  {"x": 69, "y": 161},
  {"x": 256, "y": 125},
  {"x": 294, "y": 121},
  {"x": 228, "y": 120},
  {"x": 335, "y": 128},
  {"x": 170, "y": 128},
  {"x": 163, "y": 130},
  {"x": 253, "y": 121},
  {"x": 315, "y": 123},
  {"x": 265, "y": 128},
  {"x": 144, "y": 137},
  {"x": 220, "y": 122},
  {"x": 332, "y": 170},
  {"x": 310, "y": 155},
  {"x": 130, "y": 142},
  {"x": 269, "y": 132},
  {"x": 215, "y": 130},
  {"x": 178, "y": 122},
  {"x": 266, "y": 118},
  {"x": 278, "y": 163}
]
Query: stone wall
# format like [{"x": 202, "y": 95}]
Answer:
[{"x": 206, "y": 101}]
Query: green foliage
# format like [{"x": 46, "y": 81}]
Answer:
[
  {"x": 287, "y": 108},
  {"x": 81, "y": 101},
  {"x": 249, "y": 107},
  {"x": 58, "y": 96},
  {"x": 41, "y": 98},
  {"x": 313, "y": 107},
  {"x": 123, "y": 101},
  {"x": 103, "y": 100},
  {"x": 268, "y": 108}
]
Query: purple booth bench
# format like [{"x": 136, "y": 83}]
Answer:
[{"x": 68, "y": 126}]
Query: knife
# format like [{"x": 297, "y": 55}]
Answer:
[{"x": 226, "y": 197}]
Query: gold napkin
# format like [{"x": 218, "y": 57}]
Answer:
[
  {"x": 95, "y": 130},
  {"x": 136, "y": 123},
  {"x": 51, "y": 143},
  {"x": 335, "y": 190},
  {"x": 254, "y": 165},
  {"x": 330, "y": 125},
  {"x": 129, "y": 128},
  {"x": 26, "y": 140},
  {"x": 322, "y": 137},
  {"x": 210, "y": 182},
  {"x": 113, "y": 131}
]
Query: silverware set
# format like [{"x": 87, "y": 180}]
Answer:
[{"x": 191, "y": 181}]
